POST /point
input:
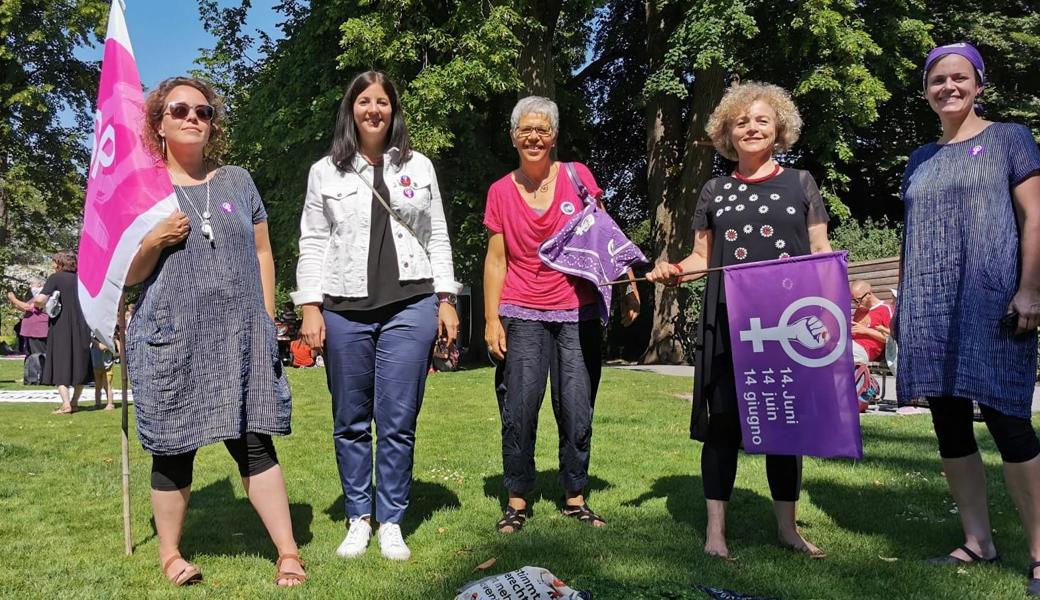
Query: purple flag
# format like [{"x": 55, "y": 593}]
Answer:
[
  {"x": 591, "y": 246},
  {"x": 790, "y": 328}
]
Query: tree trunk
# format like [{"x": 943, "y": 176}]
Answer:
[
  {"x": 664, "y": 138},
  {"x": 535, "y": 63}
]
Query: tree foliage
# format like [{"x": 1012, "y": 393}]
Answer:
[
  {"x": 42, "y": 161},
  {"x": 635, "y": 81}
]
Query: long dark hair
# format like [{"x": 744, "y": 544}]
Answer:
[{"x": 345, "y": 142}]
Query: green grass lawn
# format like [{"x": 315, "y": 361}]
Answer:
[{"x": 61, "y": 526}]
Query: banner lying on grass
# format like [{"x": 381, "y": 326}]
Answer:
[
  {"x": 792, "y": 356},
  {"x": 128, "y": 192}
]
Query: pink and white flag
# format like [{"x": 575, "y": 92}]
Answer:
[{"x": 128, "y": 190}]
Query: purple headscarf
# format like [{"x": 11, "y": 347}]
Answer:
[{"x": 960, "y": 49}]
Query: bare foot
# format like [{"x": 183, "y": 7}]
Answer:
[
  {"x": 797, "y": 543},
  {"x": 110, "y": 406},
  {"x": 716, "y": 546},
  {"x": 63, "y": 410}
]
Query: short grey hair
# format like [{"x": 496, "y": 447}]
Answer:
[{"x": 536, "y": 105}]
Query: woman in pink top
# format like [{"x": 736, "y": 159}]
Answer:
[
  {"x": 549, "y": 321},
  {"x": 35, "y": 322}
]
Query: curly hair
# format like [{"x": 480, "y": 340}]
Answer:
[
  {"x": 155, "y": 107},
  {"x": 735, "y": 102},
  {"x": 65, "y": 261}
]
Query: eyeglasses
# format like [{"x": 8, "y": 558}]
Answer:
[
  {"x": 858, "y": 301},
  {"x": 180, "y": 110},
  {"x": 525, "y": 132}
]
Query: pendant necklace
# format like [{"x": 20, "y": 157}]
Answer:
[
  {"x": 207, "y": 226},
  {"x": 544, "y": 187}
]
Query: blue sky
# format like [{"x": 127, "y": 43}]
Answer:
[{"x": 167, "y": 34}]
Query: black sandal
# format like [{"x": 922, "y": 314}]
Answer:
[
  {"x": 512, "y": 518},
  {"x": 1033, "y": 586},
  {"x": 583, "y": 514},
  {"x": 951, "y": 560}
]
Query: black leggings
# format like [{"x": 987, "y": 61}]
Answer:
[
  {"x": 254, "y": 453},
  {"x": 719, "y": 463},
  {"x": 952, "y": 417}
]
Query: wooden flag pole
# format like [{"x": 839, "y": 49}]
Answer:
[
  {"x": 687, "y": 273},
  {"x": 128, "y": 540}
]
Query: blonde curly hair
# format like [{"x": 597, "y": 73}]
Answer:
[
  {"x": 155, "y": 107},
  {"x": 736, "y": 101}
]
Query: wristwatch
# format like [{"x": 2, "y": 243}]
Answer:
[{"x": 451, "y": 299}]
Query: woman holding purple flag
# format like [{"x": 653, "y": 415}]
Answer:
[
  {"x": 969, "y": 297},
  {"x": 541, "y": 322},
  {"x": 760, "y": 211}
]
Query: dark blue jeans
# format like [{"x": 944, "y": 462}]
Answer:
[
  {"x": 569, "y": 354},
  {"x": 376, "y": 362}
]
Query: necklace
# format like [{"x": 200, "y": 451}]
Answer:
[
  {"x": 207, "y": 227},
  {"x": 737, "y": 175},
  {"x": 528, "y": 182}
]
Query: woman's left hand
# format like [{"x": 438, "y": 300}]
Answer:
[
  {"x": 629, "y": 309},
  {"x": 1027, "y": 304},
  {"x": 447, "y": 323}
]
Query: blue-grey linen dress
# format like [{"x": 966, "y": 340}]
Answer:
[
  {"x": 201, "y": 349},
  {"x": 961, "y": 268}
]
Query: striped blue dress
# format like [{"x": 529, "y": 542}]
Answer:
[
  {"x": 201, "y": 349},
  {"x": 961, "y": 267}
]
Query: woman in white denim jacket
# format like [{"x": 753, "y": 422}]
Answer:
[{"x": 376, "y": 287}]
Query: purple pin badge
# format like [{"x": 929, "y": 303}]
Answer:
[
  {"x": 406, "y": 181},
  {"x": 977, "y": 150},
  {"x": 408, "y": 193},
  {"x": 227, "y": 207}
]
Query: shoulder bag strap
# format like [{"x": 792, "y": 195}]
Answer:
[
  {"x": 579, "y": 185},
  {"x": 393, "y": 213}
]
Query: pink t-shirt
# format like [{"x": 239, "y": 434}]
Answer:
[{"x": 529, "y": 282}]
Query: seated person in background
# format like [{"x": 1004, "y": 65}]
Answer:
[
  {"x": 871, "y": 323},
  {"x": 302, "y": 354}
]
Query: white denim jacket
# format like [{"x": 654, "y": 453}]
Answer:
[{"x": 337, "y": 223}]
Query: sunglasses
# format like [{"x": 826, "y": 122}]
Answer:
[{"x": 180, "y": 110}]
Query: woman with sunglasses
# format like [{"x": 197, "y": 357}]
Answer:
[
  {"x": 969, "y": 298},
  {"x": 377, "y": 284},
  {"x": 206, "y": 272}
]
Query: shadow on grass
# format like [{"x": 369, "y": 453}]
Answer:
[
  {"x": 218, "y": 522},
  {"x": 427, "y": 498},
  {"x": 546, "y": 487}
]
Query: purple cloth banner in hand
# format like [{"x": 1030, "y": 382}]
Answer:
[
  {"x": 792, "y": 356},
  {"x": 591, "y": 246}
]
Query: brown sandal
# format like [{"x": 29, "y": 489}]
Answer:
[
  {"x": 299, "y": 578},
  {"x": 189, "y": 575}
]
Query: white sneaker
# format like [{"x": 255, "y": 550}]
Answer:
[
  {"x": 391, "y": 542},
  {"x": 357, "y": 538}
]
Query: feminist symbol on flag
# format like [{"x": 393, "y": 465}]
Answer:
[{"x": 810, "y": 332}]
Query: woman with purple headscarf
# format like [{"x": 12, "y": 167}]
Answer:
[{"x": 969, "y": 301}]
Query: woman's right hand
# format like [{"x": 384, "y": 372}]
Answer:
[
  {"x": 495, "y": 336},
  {"x": 666, "y": 273},
  {"x": 312, "y": 332},
  {"x": 172, "y": 230}
]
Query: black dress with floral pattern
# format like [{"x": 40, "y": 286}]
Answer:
[{"x": 751, "y": 222}]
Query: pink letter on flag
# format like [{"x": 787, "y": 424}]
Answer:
[
  {"x": 790, "y": 323},
  {"x": 128, "y": 189}
]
